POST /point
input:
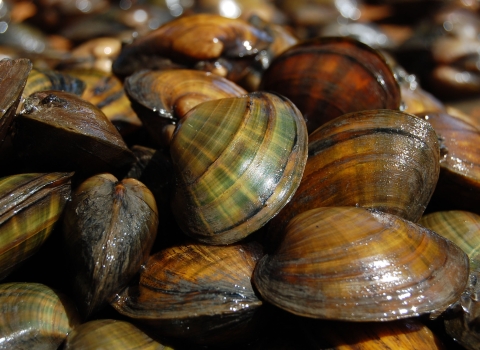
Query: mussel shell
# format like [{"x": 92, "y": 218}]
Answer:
[
  {"x": 59, "y": 130},
  {"x": 458, "y": 185},
  {"x": 237, "y": 161},
  {"x": 190, "y": 39},
  {"x": 109, "y": 229},
  {"x": 107, "y": 93},
  {"x": 328, "y": 77},
  {"x": 462, "y": 228},
  {"x": 34, "y": 316},
  {"x": 162, "y": 97},
  {"x": 349, "y": 263},
  {"x": 14, "y": 74},
  {"x": 200, "y": 292},
  {"x": 30, "y": 206},
  {"x": 382, "y": 159},
  {"x": 111, "y": 334}
]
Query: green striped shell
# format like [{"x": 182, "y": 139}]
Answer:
[
  {"x": 238, "y": 161},
  {"x": 34, "y": 316},
  {"x": 30, "y": 206}
]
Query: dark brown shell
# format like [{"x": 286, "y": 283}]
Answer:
[
  {"x": 13, "y": 77},
  {"x": 328, "y": 77},
  {"x": 349, "y": 263},
  {"x": 59, "y": 130},
  {"x": 109, "y": 229}
]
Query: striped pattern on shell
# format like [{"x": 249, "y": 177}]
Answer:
[{"x": 238, "y": 161}]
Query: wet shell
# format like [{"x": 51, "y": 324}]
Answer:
[
  {"x": 110, "y": 334},
  {"x": 190, "y": 39},
  {"x": 14, "y": 74},
  {"x": 355, "y": 264},
  {"x": 30, "y": 206},
  {"x": 34, "y": 316},
  {"x": 163, "y": 97},
  {"x": 237, "y": 161},
  {"x": 59, "y": 130},
  {"x": 459, "y": 182},
  {"x": 463, "y": 229},
  {"x": 382, "y": 159},
  {"x": 200, "y": 292},
  {"x": 109, "y": 229},
  {"x": 328, "y": 77}
]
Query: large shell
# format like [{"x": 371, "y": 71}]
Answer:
[
  {"x": 163, "y": 97},
  {"x": 34, "y": 316},
  {"x": 238, "y": 161},
  {"x": 328, "y": 77},
  {"x": 355, "y": 264},
  {"x": 30, "y": 206},
  {"x": 59, "y": 130},
  {"x": 382, "y": 159},
  {"x": 109, "y": 229},
  {"x": 110, "y": 334},
  {"x": 200, "y": 292}
]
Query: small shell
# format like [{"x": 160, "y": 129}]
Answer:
[
  {"x": 30, "y": 206},
  {"x": 109, "y": 230},
  {"x": 355, "y": 264},
  {"x": 110, "y": 334},
  {"x": 34, "y": 316},
  {"x": 237, "y": 161}
]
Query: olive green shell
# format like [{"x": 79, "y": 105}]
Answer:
[
  {"x": 30, "y": 205},
  {"x": 34, "y": 316},
  {"x": 238, "y": 161}
]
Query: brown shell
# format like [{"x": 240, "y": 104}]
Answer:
[
  {"x": 382, "y": 159},
  {"x": 195, "y": 291},
  {"x": 190, "y": 39},
  {"x": 459, "y": 182},
  {"x": 355, "y": 264},
  {"x": 328, "y": 77},
  {"x": 163, "y": 97},
  {"x": 60, "y": 131}
]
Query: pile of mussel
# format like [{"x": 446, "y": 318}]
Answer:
[{"x": 239, "y": 174}]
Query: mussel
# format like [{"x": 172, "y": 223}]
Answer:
[
  {"x": 30, "y": 206},
  {"x": 34, "y": 316},
  {"x": 357, "y": 264},
  {"x": 383, "y": 159},
  {"x": 237, "y": 162},
  {"x": 330, "y": 76},
  {"x": 109, "y": 229},
  {"x": 198, "y": 292}
]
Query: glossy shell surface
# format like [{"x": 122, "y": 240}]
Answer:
[
  {"x": 238, "y": 161},
  {"x": 355, "y": 264}
]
